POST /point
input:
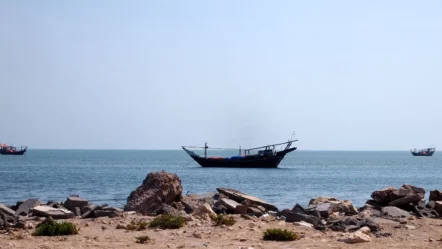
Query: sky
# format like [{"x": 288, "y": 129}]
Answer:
[{"x": 344, "y": 75}]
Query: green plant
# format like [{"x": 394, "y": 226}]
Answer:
[
  {"x": 166, "y": 221},
  {"x": 52, "y": 228},
  {"x": 142, "y": 239},
  {"x": 280, "y": 235},
  {"x": 134, "y": 226},
  {"x": 221, "y": 219}
]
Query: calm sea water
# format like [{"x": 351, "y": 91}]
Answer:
[{"x": 110, "y": 176}]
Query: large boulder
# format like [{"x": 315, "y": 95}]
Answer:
[
  {"x": 241, "y": 197},
  {"x": 158, "y": 188}
]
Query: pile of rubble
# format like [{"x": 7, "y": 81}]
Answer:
[{"x": 74, "y": 206}]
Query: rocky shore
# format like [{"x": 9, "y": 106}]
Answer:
[{"x": 392, "y": 218}]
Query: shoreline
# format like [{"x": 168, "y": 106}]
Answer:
[{"x": 394, "y": 218}]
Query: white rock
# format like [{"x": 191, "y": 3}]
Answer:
[
  {"x": 410, "y": 227},
  {"x": 365, "y": 230},
  {"x": 302, "y": 224},
  {"x": 357, "y": 237}
]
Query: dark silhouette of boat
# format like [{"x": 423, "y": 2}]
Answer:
[
  {"x": 11, "y": 150},
  {"x": 423, "y": 152},
  {"x": 266, "y": 157}
]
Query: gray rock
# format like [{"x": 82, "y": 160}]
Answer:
[
  {"x": 193, "y": 201},
  {"x": 325, "y": 209},
  {"x": 88, "y": 211},
  {"x": 220, "y": 209},
  {"x": 168, "y": 209},
  {"x": 296, "y": 217},
  {"x": 5, "y": 210},
  {"x": 395, "y": 212},
  {"x": 55, "y": 213},
  {"x": 26, "y": 206},
  {"x": 72, "y": 202},
  {"x": 77, "y": 211},
  {"x": 431, "y": 204},
  {"x": 229, "y": 204},
  {"x": 104, "y": 213},
  {"x": 240, "y": 197}
]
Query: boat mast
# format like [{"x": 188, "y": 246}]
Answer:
[{"x": 205, "y": 150}]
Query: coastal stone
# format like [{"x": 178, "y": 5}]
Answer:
[
  {"x": 438, "y": 207},
  {"x": 240, "y": 197},
  {"x": 410, "y": 227},
  {"x": 193, "y": 201},
  {"x": 297, "y": 217},
  {"x": 5, "y": 210},
  {"x": 220, "y": 209},
  {"x": 374, "y": 204},
  {"x": 385, "y": 196},
  {"x": 357, "y": 237},
  {"x": 365, "y": 230},
  {"x": 325, "y": 209},
  {"x": 178, "y": 205},
  {"x": 105, "y": 213},
  {"x": 204, "y": 209},
  {"x": 302, "y": 224},
  {"x": 435, "y": 195},
  {"x": 229, "y": 204},
  {"x": 55, "y": 213},
  {"x": 407, "y": 189},
  {"x": 26, "y": 206},
  {"x": 328, "y": 205},
  {"x": 156, "y": 189},
  {"x": 241, "y": 209},
  {"x": 72, "y": 202},
  {"x": 395, "y": 212},
  {"x": 431, "y": 204},
  {"x": 77, "y": 211},
  {"x": 255, "y": 211},
  {"x": 168, "y": 209},
  {"x": 88, "y": 211},
  {"x": 370, "y": 223},
  {"x": 53, "y": 204},
  {"x": 411, "y": 198},
  {"x": 298, "y": 209}
]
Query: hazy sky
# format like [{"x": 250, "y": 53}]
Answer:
[{"x": 359, "y": 75}]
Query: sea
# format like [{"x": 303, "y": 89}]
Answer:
[{"x": 109, "y": 176}]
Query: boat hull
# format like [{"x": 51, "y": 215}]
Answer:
[
  {"x": 246, "y": 162},
  {"x": 422, "y": 154},
  {"x": 17, "y": 153}
]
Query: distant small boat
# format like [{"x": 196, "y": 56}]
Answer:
[
  {"x": 266, "y": 157},
  {"x": 11, "y": 150},
  {"x": 423, "y": 152}
]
